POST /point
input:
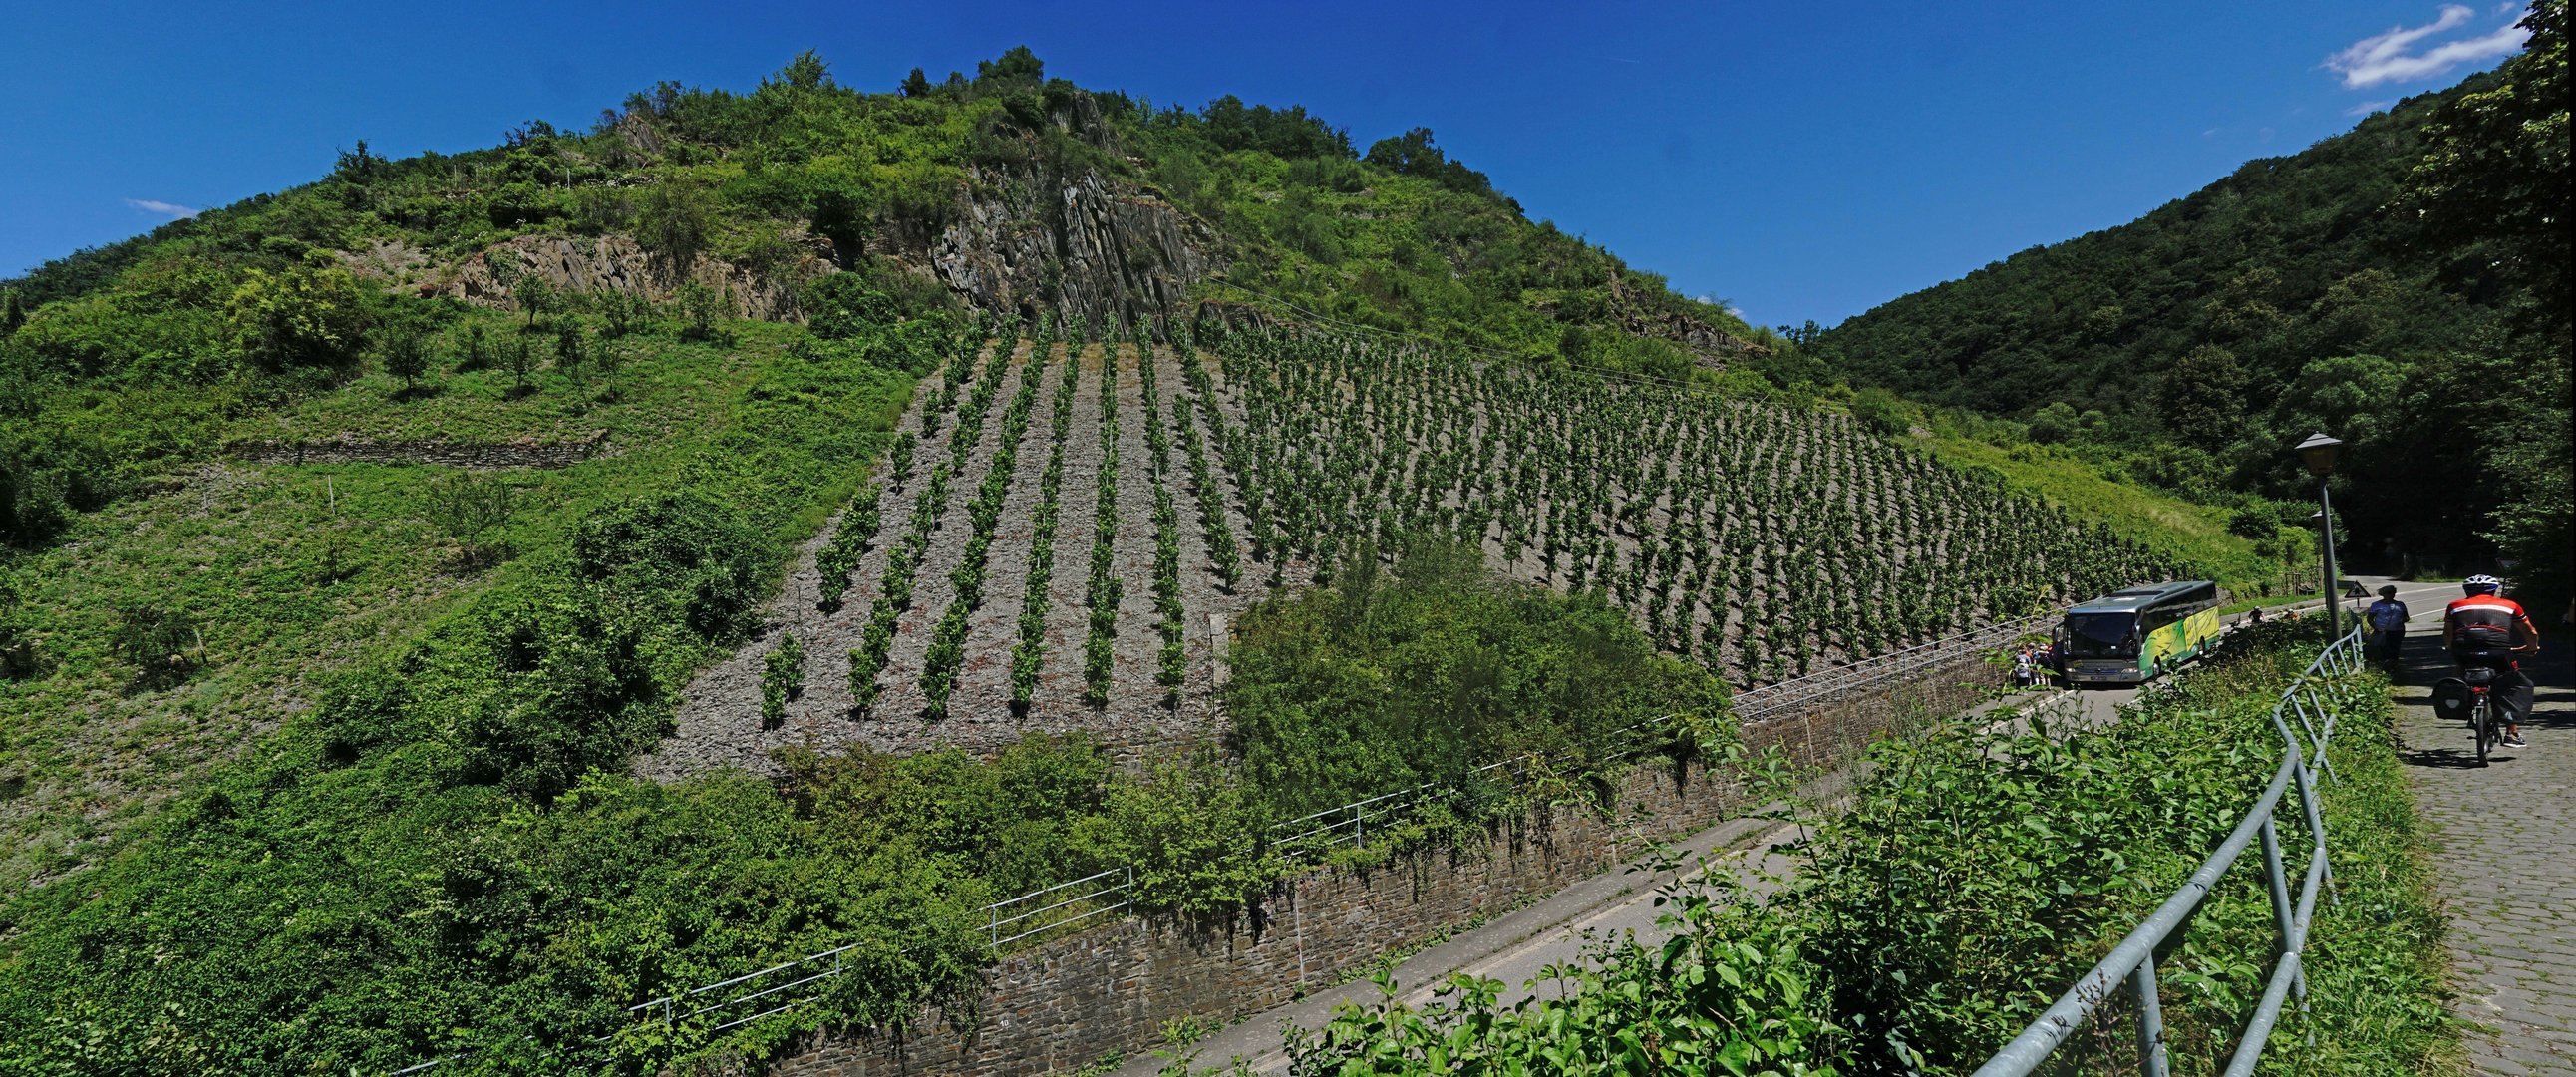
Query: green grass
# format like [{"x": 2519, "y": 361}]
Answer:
[
  {"x": 245, "y": 550},
  {"x": 2167, "y": 524}
]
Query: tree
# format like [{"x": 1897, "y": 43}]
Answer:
[
  {"x": 625, "y": 312},
  {"x": 2493, "y": 183},
  {"x": 1413, "y": 153},
  {"x": 467, "y": 507},
  {"x": 2495, "y": 164},
  {"x": 536, "y": 295},
  {"x": 702, "y": 306},
  {"x": 570, "y": 348},
  {"x": 845, "y": 219},
  {"x": 520, "y": 360},
  {"x": 1017, "y": 67},
  {"x": 406, "y": 358},
  {"x": 477, "y": 353},
  {"x": 2352, "y": 397},
  {"x": 303, "y": 317},
  {"x": 1880, "y": 412},
  {"x": 2202, "y": 396},
  {"x": 13, "y": 312},
  {"x": 806, "y": 72},
  {"x": 916, "y": 84},
  {"x": 677, "y": 219}
]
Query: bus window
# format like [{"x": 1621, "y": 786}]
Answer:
[{"x": 2102, "y": 635}]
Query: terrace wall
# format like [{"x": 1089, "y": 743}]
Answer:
[{"x": 1076, "y": 999}]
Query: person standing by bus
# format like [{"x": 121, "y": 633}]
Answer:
[
  {"x": 2387, "y": 620},
  {"x": 2025, "y": 668},
  {"x": 2486, "y": 629}
]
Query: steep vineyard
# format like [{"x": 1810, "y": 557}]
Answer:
[{"x": 1175, "y": 485}]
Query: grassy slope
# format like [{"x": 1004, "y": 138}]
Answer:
[
  {"x": 242, "y": 549},
  {"x": 2167, "y": 523}
]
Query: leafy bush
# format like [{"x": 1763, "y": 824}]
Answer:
[
  {"x": 843, "y": 305},
  {"x": 782, "y": 676},
  {"x": 1395, "y": 678}
]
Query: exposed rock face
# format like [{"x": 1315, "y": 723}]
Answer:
[
  {"x": 1711, "y": 345},
  {"x": 582, "y": 265},
  {"x": 1085, "y": 245}
]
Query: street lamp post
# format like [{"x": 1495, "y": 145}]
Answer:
[{"x": 2318, "y": 452}]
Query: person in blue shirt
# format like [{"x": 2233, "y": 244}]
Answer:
[{"x": 2387, "y": 621}]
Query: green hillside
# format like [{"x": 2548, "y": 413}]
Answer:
[
  {"x": 2389, "y": 286},
  {"x": 357, "y": 540}
]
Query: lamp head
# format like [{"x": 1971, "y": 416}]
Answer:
[{"x": 2318, "y": 452}]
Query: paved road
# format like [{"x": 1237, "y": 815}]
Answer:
[{"x": 2507, "y": 859}]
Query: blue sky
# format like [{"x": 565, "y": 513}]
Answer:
[{"x": 1800, "y": 160}]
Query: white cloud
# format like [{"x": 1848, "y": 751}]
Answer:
[
  {"x": 2367, "y": 107},
  {"x": 172, "y": 210},
  {"x": 2392, "y": 56}
]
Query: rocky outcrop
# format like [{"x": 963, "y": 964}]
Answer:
[
  {"x": 1019, "y": 242},
  {"x": 585, "y": 265},
  {"x": 1712, "y": 346}
]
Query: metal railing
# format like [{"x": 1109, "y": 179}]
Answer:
[
  {"x": 2315, "y": 699},
  {"x": 1110, "y": 892}
]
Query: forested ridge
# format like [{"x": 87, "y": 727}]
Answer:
[{"x": 2402, "y": 286}]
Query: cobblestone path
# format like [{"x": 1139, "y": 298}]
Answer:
[{"x": 2506, "y": 860}]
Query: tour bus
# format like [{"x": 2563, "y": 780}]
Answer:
[{"x": 2131, "y": 635}]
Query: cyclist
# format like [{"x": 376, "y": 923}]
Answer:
[
  {"x": 2486, "y": 629},
  {"x": 2387, "y": 619}
]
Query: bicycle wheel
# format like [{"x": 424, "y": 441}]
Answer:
[{"x": 2478, "y": 727}]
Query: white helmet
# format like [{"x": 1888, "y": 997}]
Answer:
[{"x": 2482, "y": 584}]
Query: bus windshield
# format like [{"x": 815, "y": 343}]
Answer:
[{"x": 2102, "y": 635}]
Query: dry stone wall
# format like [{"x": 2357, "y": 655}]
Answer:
[
  {"x": 1078, "y": 998},
  {"x": 474, "y": 455}
]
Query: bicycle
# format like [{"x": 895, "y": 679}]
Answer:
[{"x": 2483, "y": 728}]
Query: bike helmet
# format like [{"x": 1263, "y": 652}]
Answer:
[{"x": 2482, "y": 585}]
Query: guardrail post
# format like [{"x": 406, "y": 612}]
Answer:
[
  {"x": 2278, "y": 877},
  {"x": 2151, "y": 1019},
  {"x": 2324, "y": 730}
]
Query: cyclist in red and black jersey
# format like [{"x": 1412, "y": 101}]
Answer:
[{"x": 2487, "y": 629}]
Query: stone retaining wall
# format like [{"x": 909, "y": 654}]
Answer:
[
  {"x": 1076, "y": 999},
  {"x": 480, "y": 456}
]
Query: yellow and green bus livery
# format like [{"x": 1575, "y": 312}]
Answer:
[{"x": 2129, "y": 636}]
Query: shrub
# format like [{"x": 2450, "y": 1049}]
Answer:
[{"x": 782, "y": 678}]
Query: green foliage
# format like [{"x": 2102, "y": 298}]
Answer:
[
  {"x": 702, "y": 306},
  {"x": 467, "y": 508},
  {"x": 303, "y": 317},
  {"x": 782, "y": 677},
  {"x": 2372, "y": 286},
  {"x": 1880, "y": 412},
  {"x": 421, "y": 856},
  {"x": 1391, "y": 679},
  {"x": 1191, "y": 828},
  {"x": 842, "y": 305},
  {"x": 161, "y": 644},
  {"x": 1973, "y": 877},
  {"x": 406, "y": 356}
]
